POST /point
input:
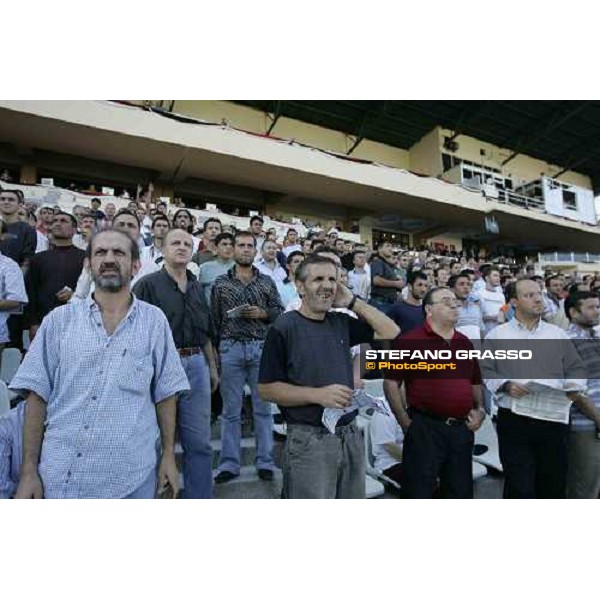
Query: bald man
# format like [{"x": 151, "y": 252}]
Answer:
[{"x": 177, "y": 292}]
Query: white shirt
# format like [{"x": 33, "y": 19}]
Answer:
[
  {"x": 514, "y": 330},
  {"x": 287, "y": 250},
  {"x": 491, "y": 302},
  {"x": 277, "y": 274},
  {"x": 12, "y": 287},
  {"x": 360, "y": 283},
  {"x": 42, "y": 242},
  {"x": 151, "y": 260},
  {"x": 384, "y": 430}
]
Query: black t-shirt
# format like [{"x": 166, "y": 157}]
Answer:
[
  {"x": 19, "y": 242},
  {"x": 383, "y": 268},
  {"x": 309, "y": 353}
]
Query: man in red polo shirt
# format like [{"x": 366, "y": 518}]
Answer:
[{"x": 442, "y": 411}]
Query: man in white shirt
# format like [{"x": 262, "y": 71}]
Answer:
[
  {"x": 491, "y": 299},
  {"x": 268, "y": 264},
  {"x": 554, "y": 309},
  {"x": 359, "y": 278},
  {"x": 86, "y": 231},
  {"x": 533, "y": 451},
  {"x": 290, "y": 243},
  {"x": 151, "y": 257},
  {"x": 12, "y": 291},
  {"x": 256, "y": 228}
]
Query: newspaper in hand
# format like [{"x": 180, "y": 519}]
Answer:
[
  {"x": 360, "y": 399},
  {"x": 236, "y": 313},
  {"x": 544, "y": 402}
]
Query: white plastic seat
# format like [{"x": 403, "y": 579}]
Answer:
[
  {"x": 486, "y": 436},
  {"x": 9, "y": 364},
  {"x": 4, "y": 399}
]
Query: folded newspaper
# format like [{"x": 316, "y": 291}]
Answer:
[
  {"x": 545, "y": 402},
  {"x": 360, "y": 399}
]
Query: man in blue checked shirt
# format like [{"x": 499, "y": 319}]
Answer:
[
  {"x": 11, "y": 450},
  {"x": 95, "y": 436}
]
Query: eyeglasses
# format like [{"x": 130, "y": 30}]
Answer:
[{"x": 450, "y": 302}]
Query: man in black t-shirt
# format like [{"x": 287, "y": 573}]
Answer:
[
  {"x": 385, "y": 283},
  {"x": 305, "y": 368},
  {"x": 408, "y": 314},
  {"x": 19, "y": 243}
]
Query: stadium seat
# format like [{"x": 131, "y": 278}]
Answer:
[
  {"x": 4, "y": 399},
  {"x": 486, "y": 450},
  {"x": 370, "y": 460},
  {"x": 9, "y": 364},
  {"x": 26, "y": 340}
]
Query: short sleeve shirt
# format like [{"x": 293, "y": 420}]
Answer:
[{"x": 311, "y": 353}]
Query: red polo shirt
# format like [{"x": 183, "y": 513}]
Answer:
[{"x": 447, "y": 394}]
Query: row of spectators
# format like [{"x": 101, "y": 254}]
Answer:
[{"x": 223, "y": 295}]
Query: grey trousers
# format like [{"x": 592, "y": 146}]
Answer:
[
  {"x": 583, "y": 476},
  {"x": 319, "y": 464}
]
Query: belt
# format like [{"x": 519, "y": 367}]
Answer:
[
  {"x": 189, "y": 351},
  {"x": 440, "y": 418},
  {"x": 339, "y": 430}
]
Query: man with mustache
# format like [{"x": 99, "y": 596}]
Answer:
[{"x": 95, "y": 436}]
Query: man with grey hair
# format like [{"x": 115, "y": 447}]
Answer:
[
  {"x": 306, "y": 368},
  {"x": 95, "y": 436}
]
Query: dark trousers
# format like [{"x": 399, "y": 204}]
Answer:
[
  {"x": 394, "y": 473},
  {"x": 435, "y": 451},
  {"x": 15, "y": 331},
  {"x": 534, "y": 456}
]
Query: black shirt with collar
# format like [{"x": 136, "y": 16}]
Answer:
[
  {"x": 19, "y": 242},
  {"x": 188, "y": 314},
  {"x": 230, "y": 292}
]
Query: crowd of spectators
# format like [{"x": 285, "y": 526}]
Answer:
[{"x": 285, "y": 317}]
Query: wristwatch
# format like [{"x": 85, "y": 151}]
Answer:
[{"x": 352, "y": 302}]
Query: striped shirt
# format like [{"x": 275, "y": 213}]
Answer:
[
  {"x": 230, "y": 292},
  {"x": 588, "y": 348},
  {"x": 11, "y": 450},
  {"x": 101, "y": 391},
  {"x": 12, "y": 287}
]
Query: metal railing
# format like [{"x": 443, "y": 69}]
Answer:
[{"x": 569, "y": 257}]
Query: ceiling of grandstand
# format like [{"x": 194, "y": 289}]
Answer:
[{"x": 565, "y": 133}]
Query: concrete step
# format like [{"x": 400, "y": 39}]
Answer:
[
  {"x": 249, "y": 486},
  {"x": 247, "y": 452}
]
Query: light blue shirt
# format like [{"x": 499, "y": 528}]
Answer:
[
  {"x": 287, "y": 292},
  {"x": 12, "y": 287},
  {"x": 11, "y": 450},
  {"x": 208, "y": 273},
  {"x": 101, "y": 391}
]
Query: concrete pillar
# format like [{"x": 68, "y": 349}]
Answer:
[{"x": 365, "y": 230}]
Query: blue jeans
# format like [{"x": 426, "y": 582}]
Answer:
[
  {"x": 239, "y": 365},
  {"x": 193, "y": 419}
]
